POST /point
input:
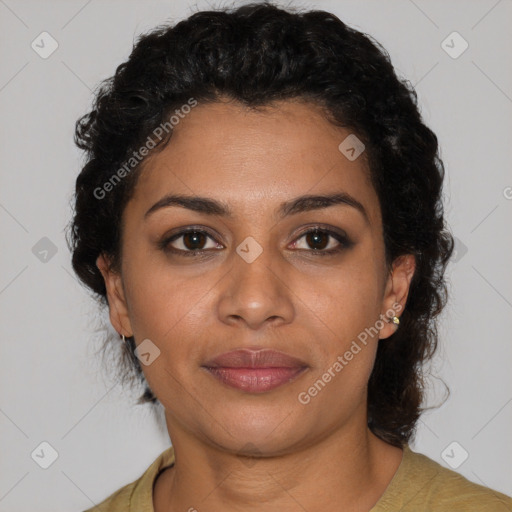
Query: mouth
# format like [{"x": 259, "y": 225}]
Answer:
[{"x": 255, "y": 371}]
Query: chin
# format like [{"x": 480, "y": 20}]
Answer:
[{"x": 257, "y": 430}]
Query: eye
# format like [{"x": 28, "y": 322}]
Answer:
[
  {"x": 194, "y": 242},
  {"x": 190, "y": 242},
  {"x": 323, "y": 241}
]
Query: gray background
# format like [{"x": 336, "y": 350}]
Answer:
[{"x": 52, "y": 386}]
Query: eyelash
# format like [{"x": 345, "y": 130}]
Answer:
[{"x": 344, "y": 242}]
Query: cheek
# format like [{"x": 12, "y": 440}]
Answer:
[
  {"x": 347, "y": 299},
  {"x": 347, "y": 303},
  {"x": 167, "y": 314},
  {"x": 166, "y": 309},
  {"x": 346, "y": 344},
  {"x": 161, "y": 297}
]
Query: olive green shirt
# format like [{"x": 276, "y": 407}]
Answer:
[{"x": 419, "y": 485}]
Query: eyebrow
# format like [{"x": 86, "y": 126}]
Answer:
[{"x": 300, "y": 204}]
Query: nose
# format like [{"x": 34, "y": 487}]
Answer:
[{"x": 256, "y": 293}]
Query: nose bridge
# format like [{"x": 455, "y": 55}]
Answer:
[
  {"x": 255, "y": 264},
  {"x": 255, "y": 269},
  {"x": 255, "y": 290}
]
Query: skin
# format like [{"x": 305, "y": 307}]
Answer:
[{"x": 313, "y": 457}]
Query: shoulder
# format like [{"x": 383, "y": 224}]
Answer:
[
  {"x": 421, "y": 484},
  {"x": 449, "y": 490},
  {"x": 118, "y": 501},
  {"x": 137, "y": 496}
]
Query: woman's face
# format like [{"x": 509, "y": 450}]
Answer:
[{"x": 258, "y": 282}]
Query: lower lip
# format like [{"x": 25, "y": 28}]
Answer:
[{"x": 255, "y": 380}]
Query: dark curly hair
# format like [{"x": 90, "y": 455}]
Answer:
[{"x": 257, "y": 54}]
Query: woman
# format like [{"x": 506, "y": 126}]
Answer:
[{"x": 261, "y": 212}]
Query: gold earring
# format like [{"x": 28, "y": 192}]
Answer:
[{"x": 395, "y": 320}]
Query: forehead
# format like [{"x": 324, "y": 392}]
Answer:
[{"x": 255, "y": 159}]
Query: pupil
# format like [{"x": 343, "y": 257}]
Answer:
[{"x": 313, "y": 239}]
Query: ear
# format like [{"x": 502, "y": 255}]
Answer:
[
  {"x": 396, "y": 292},
  {"x": 118, "y": 310}
]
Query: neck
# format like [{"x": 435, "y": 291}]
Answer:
[{"x": 351, "y": 469}]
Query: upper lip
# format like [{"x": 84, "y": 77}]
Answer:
[{"x": 248, "y": 358}]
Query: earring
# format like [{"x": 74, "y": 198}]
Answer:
[
  {"x": 124, "y": 339},
  {"x": 395, "y": 320}
]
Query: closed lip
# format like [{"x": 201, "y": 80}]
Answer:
[{"x": 249, "y": 358}]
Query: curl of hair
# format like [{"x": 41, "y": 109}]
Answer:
[{"x": 258, "y": 54}]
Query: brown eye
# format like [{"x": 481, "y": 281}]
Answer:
[
  {"x": 191, "y": 242},
  {"x": 317, "y": 239},
  {"x": 194, "y": 240},
  {"x": 323, "y": 242}
]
